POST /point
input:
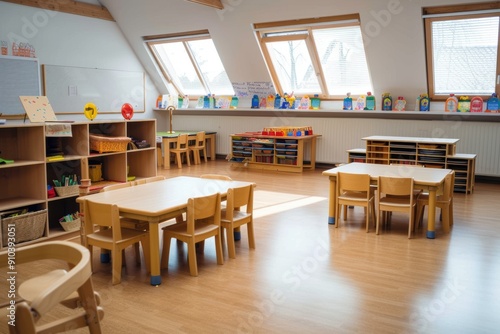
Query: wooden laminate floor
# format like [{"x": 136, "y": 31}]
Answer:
[{"x": 306, "y": 276}]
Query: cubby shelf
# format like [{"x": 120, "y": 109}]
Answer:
[
  {"x": 281, "y": 153},
  {"x": 24, "y": 182},
  {"x": 427, "y": 152}
]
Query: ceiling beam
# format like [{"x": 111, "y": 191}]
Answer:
[
  {"x": 212, "y": 3},
  {"x": 70, "y": 7}
]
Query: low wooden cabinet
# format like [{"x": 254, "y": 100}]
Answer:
[
  {"x": 281, "y": 153},
  {"x": 24, "y": 181},
  {"x": 427, "y": 152}
]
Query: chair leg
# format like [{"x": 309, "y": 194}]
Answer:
[
  {"x": 251, "y": 237},
  {"x": 446, "y": 219},
  {"x": 179, "y": 160},
  {"x": 231, "y": 249},
  {"x": 116, "y": 255},
  {"x": 193, "y": 266},
  {"x": 137, "y": 254},
  {"x": 205, "y": 154},
  {"x": 218, "y": 248}
]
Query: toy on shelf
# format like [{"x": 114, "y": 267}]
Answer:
[
  {"x": 290, "y": 131},
  {"x": 347, "y": 102},
  {"x": 234, "y": 102},
  {"x": 370, "y": 102},
  {"x": 386, "y": 101},
  {"x": 400, "y": 104},
  {"x": 305, "y": 103},
  {"x": 476, "y": 104},
  {"x": 277, "y": 101},
  {"x": 360, "y": 103},
  {"x": 255, "y": 102},
  {"x": 127, "y": 111},
  {"x": 492, "y": 104},
  {"x": 316, "y": 102},
  {"x": 463, "y": 104},
  {"x": 424, "y": 102},
  {"x": 270, "y": 101},
  {"x": 451, "y": 104}
]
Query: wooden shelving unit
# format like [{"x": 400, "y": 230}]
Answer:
[
  {"x": 428, "y": 152},
  {"x": 281, "y": 153},
  {"x": 24, "y": 182}
]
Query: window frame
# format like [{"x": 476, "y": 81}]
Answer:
[
  {"x": 183, "y": 38},
  {"x": 456, "y": 12},
  {"x": 306, "y": 25}
]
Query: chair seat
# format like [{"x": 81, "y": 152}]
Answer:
[
  {"x": 29, "y": 289},
  {"x": 180, "y": 229},
  {"x": 402, "y": 201},
  {"x": 353, "y": 196},
  {"x": 107, "y": 235},
  {"x": 237, "y": 215}
]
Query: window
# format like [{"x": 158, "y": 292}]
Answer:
[
  {"x": 190, "y": 63},
  {"x": 462, "y": 50},
  {"x": 323, "y": 56}
]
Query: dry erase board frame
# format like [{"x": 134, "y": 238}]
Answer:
[
  {"x": 19, "y": 76},
  {"x": 69, "y": 88}
]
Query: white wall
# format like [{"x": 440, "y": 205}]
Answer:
[
  {"x": 393, "y": 33},
  {"x": 73, "y": 40}
]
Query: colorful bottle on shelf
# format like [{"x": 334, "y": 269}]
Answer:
[
  {"x": 370, "y": 102},
  {"x": 255, "y": 102},
  {"x": 492, "y": 104},
  {"x": 347, "y": 102},
  {"x": 234, "y": 102},
  {"x": 316, "y": 102},
  {"x": 425, "y": 102},
  {"x": 463, "y": 104},
  {"x": 185, "y": 102},
  {"x": 180, "y": 101},
  {"x": 305, "y": 103},
  {"x": 451, "y": 104},
  {"x": 360, "y": 103},
  {"x": 270, "y": 101},
  {"x": 386, "y": 101},
  {"x": 400, "y": 104},
  {"x": 277, "y": 101},
  {"x": 476, "y": 104},
  {"x": 158, "y": 102},
  {"x": 206, "y": 102}
]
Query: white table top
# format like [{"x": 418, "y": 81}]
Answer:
[{"x": 412, "y": 139}]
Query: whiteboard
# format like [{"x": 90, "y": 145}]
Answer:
[
  {"x": 19, "y": 76},
  {"x": 69, "y": 88}
]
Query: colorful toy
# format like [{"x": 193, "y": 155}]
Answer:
[
  {"x": 476, "y": 104},
  {"x": 492, "y": 104},
  {"x": 370, "y": 102},
  {"x": 451, "y": 104},
  {"x": 425, "y": 102},
  {"x": 90, "y": 111},
  {"x": 386, "y": 101},
  {"x": 348, "y": 102},
  {"x": 400, "y": 104},
  {"x": 463, "y": 104},
  {"x": 316, "y": 102}
]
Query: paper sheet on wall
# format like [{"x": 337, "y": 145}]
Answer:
[{"x": 249, "y": 89}]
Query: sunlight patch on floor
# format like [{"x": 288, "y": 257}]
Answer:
[{"x": 269, "y": 202}]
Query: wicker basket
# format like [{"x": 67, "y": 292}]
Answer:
[
  {"x": 29, "y": 226},
  {"x": 67, "y": 191},
  {"x": 103, "y": 144},
  {"x": 72, "y": 225}
]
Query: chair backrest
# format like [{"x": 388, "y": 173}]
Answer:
[
  {"x": 101, "y": 214},
  {"x": 216, "y": 177},
  {"x": 353, "y": 182},
  {"x": 200, "y": 139},
  {"x": 182, "y": 141},
  {"x": 205, "y": 208},
  {"x": 449, "y": 187},
  {"x": 396, "y": 186},
  {"x": 238, "y": 198},
  {"x": 116, "y": 186},
  {"x": 77, "y": 257},
  {"x": 149, "y": 179}
]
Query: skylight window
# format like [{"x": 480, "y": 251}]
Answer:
[
  {"x": 191, "y": 64},
  {"x": 323, "y": 56}
]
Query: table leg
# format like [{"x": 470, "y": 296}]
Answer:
[
  {"x": 313, "y": 152},
  {"x": 332, "y": 200},
  {"x": 211, "y": 139},
  {"x": 431, "y": 218},
  {"x": 154, "y": 251}
]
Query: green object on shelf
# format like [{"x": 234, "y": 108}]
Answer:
[{"x": 6, "y": 161}]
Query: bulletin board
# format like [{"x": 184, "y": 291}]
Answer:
[
  {"x": 69, "y": 88},
  {"x": 19, "y": 76}
]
